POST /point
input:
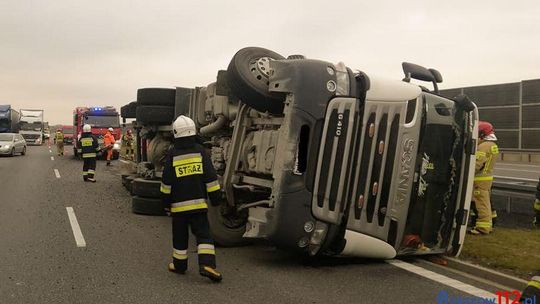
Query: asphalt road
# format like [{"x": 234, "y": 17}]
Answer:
[
  {"x": 125, "y": 257},
  {"x": 518, "y": 171}
]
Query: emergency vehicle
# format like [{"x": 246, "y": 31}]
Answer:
[{"x": 99, "y": 119}]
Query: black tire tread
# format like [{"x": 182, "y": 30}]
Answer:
[
  {"x": 147, "y": 206},
  {"x": 162, "y": 115},
  {"x": 156, "y": 97}
]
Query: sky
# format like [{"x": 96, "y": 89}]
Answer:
[{"x": 56, "y": 55}]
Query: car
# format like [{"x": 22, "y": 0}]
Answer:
[{"x": 11, "y": 143}]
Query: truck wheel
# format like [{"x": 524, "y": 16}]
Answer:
[
  {"x": 226, "y": 230},
  {"x": 129, "y": 181},
  {"x": 146, "y": 188},
  {"x": 161, "y": 115},
  {"x": 247, "y": 77},
  {"x": 147, "y": 206},
  {"x": 156, "y": 97},
  {"x": 129, "y": 110}
]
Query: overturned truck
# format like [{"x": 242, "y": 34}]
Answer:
[{"x": 320, "y": 159}]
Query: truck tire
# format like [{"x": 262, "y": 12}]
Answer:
[
  {"x": 247, "y": 77},
  {"x": 129, "y": 110},
  {"x": 146, "y": 188},
  {"x": 156, "y": 97},
  {"x": 225, "y": 235},
  {"x": 147, "y": 206},
  {"x": 129, "y": 181},
  {"x": 160, "y": 115}
]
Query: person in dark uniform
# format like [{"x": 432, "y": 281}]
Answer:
[
  {"x": 188, "y": 181},
  {"x": 532, "y": 291},
  {"x": 89, "y": 146}
]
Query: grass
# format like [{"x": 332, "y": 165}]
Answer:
[{"x": 514, "y": 251}]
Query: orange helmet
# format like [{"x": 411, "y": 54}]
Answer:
[{"x": 484, "y": 129}]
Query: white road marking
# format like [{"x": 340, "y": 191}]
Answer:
[
  {"x": 124, "y": 161},
  {"x": 50, "y": 151},
  {"x": 515, "y": 178},
  {"x": 79, "y": 238},
  {"x": 57, "y": 173},
  {"x": 520, "y": 170},
  {"x": 477, "y": 292},
  {"x": 516, "y": 165},
  {"x": 52, "y": 157}
]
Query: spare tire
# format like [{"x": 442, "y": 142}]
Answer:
[
  {"x": 146, "y": 188},
  {"x": 248, "y": 79},
  {"x": 129, "y": 110},
  {"x": 156, "y": 97},
  {"x": 160, "y": 115},
  {"x": 147, "y": 206}
]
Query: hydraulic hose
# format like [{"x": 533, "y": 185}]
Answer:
[{"x": 213, "y": 127}]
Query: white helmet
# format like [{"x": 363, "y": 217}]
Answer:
[
  {"x": 183, "y": 126},
  {"x": 86, "y": 128},
  {"x": 111, "y": 129}
]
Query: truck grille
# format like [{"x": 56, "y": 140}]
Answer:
[
  {"x": 334, "y": 159},
  {"x": 355, "y": 169}
]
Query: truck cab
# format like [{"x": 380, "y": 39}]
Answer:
[
  {"x": 31, "y": 126},
  {"x": 99, "y": 119},
  {"x": 9, "y": 119}
]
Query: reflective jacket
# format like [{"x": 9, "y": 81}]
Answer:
[
  {"x": 89, "y": 145},
  {"x": 486, "y": 156},
  {"x": 108, "y": 139},
  {"x": 59, "y": 137},
  {"x": 189, "y": 178}
]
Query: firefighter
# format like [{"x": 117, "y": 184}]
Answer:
[
  {"x": 486, "y": 156},
  {"x": 109, "y": 141},
  {"x": 536, "y": 206},
  {"x": 189, "y": 179},
  {"x": 59, "y": 140},
  {"x": 532, "y": 291},
  {"x": 89, "y": 146},
  {"x": 127, "y": 141}
]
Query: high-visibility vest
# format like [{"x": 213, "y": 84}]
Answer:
[
  {"x": 486, "y": 156},
  {"x": 59, "y": 136}
]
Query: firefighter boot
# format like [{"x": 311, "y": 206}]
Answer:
[
  {"x": 173, "y": 269},
  {"x": 211, "y": 273}
]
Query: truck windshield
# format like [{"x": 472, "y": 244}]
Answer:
[
  {"x": 4, "y": 123},
  {"x": 67, "y": 131},
  {"x": 103, "y": 121},
  {"x": 6, "y": 137},
  {"x": 35, "y": 126}
]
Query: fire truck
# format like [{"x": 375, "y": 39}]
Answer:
[{"x": 100, "y": 119}]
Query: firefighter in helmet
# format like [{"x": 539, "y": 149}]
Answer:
[
  {"x": 109, "y": 141},
  {"x": 59, "y": 140},
  {"x": 532, "y": 291},
  {"x": 188, "y": 181},
  {"x": 486, "y": 156},
  {"x": 127, "y": 142},
  {"x": 89, "y": 146}
]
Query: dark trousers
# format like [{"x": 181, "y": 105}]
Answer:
[
  {"x": 198, "y": 222},
  {"x": 89, "y": 167}
]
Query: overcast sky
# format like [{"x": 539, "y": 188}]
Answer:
[{"x": 60, "y": 54}]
